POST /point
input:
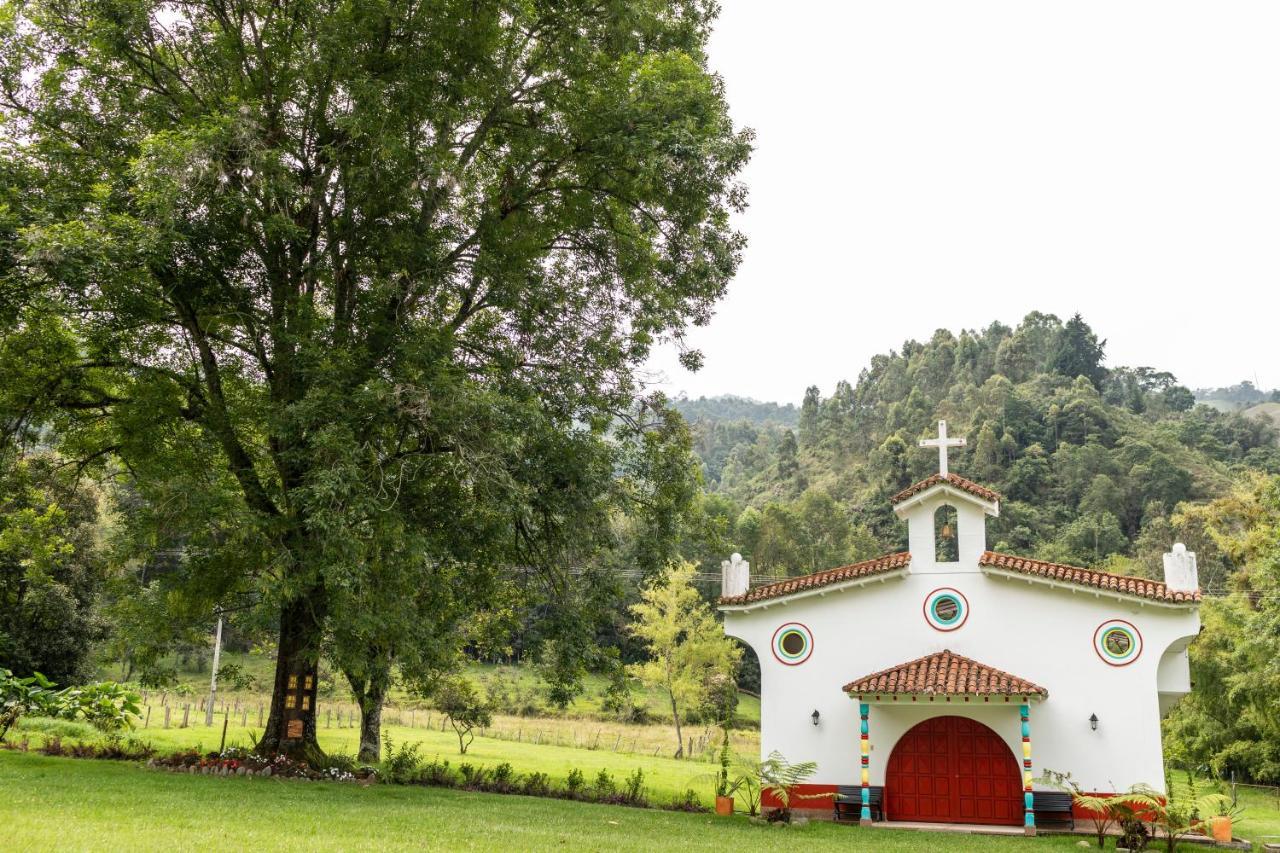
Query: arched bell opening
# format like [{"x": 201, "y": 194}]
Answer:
[{"x": 946, "y": 534}]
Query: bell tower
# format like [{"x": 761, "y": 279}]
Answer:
[{"x": 946, "y": 514}]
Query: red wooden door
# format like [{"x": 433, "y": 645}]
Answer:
[{"x": 953, "y": 770}]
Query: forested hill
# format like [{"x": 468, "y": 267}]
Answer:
[
  {"x": 727, "y": 407},
  {"x": 1093, "y": 462}
]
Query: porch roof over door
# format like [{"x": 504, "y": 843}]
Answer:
[{"x": 944, "y": 675}]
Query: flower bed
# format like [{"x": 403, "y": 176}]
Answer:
[{"x": 239, "y": 762}]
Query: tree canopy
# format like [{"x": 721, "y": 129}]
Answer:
[{"x": 319, "y": 274}]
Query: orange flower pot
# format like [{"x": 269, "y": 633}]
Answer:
[
  {"x": 724, "y": 806},
  {"x": 1221, "y": 828}
]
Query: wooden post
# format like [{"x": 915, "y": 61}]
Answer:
[
  {"x": 186, "y": 713},
  {"x": 244, "y": 721},
  {"x": 328, "y": 718},
  {"x": 616, "y": 742},
  {"x": 213, "y": 677},
  {"x": 147, "y": 721},
  {"x": 166, "y": 716}
]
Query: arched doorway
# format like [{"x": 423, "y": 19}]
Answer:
[{"x": 953, "y": 770}]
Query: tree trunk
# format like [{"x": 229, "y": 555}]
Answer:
[
  {"x": 370, "y": 730},
  {"x": 370, "y": 693},
  {"x": 291, "y": 724},
  {"x": 675, "y": 716}
]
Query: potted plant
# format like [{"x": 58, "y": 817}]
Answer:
[{"x": 1220, "y": 827}]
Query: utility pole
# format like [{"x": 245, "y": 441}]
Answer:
[{"x": 213, "y": 679}]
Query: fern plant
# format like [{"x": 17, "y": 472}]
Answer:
[
  {"x": 1183, "y": 809},
  {"x": 780, "y": 778}
]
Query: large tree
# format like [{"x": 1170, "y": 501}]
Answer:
[{"x": 292, "y": 261}]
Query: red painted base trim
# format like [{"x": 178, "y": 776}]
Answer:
[{"x": 809, "y": 802}]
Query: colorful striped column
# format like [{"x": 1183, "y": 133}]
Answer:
[
  {"x": 1028, "y": 798},
  {"x": 863, "y": 711}
]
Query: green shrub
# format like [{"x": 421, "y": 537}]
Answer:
[
  {"x": 438, "y": 773},
  {"x": 574, "y": 783},
  {"x": 335, "y": 761},
  {"x": 504, "y": 778},
  {"x": 688, "y": 802},
  {"x": 536, "y": 785},
  {"x": 107, "y": 706},
  {"x": 21, "y": 696},
  {"x": 474, "y": 777},
  {"x": 401, "y": 765},
  {"x": 633, "y": 789}
]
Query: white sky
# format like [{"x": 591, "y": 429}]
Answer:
[{"x": 923, "y": 164}]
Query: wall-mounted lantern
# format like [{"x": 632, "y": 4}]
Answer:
[
  {"x": 1093, "y": 722},
  {"x": 815, "y": 716}
]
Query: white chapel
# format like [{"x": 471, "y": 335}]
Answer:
[{"x": 936, "y": 684}]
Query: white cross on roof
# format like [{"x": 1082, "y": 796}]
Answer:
[{"x": 942, "y": 443}]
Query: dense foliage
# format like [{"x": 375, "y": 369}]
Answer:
[
  {"x": 1229, "y": 722},
  {"x": 1092, "y": 462},
  {"x": 51, "y": 568},
  {"x": 107, "y": 706}
]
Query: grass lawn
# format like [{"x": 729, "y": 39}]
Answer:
[{"x": 67, "y": 804}]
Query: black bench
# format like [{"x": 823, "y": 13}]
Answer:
[
  {"x": 1055, "y": 804},
  {"x": 848, "y": 802}
]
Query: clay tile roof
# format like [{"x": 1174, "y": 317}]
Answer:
[
  {"x": 952, "y": 480},
  {"x": 944, "y": 673},
  {"x": 1138, "y": 587},
  {"x": 790, "y": 586}
]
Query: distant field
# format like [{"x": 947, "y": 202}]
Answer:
[
  {"x": 1222, "y": 405},
  {"x": 519, "y": 690},
  {"x": 1270, "y": 411}
]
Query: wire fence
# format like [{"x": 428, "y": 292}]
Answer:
[{"x": 166, "y": 710}]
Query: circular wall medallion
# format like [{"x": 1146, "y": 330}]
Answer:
[
  {"x": 1117, "y": 642},
  {"x": 792, "y": 644},
  {"x": 946, "y": 609}
]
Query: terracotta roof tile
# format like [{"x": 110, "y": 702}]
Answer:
[
  {"x": 1137, "y": 587},
  {"x": 944, "y": 673},
  {"x": 951, "y": 479},
  {"x": 791, "y": 586}
]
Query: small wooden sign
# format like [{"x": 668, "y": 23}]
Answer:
[{"x": 293, "y": 730}]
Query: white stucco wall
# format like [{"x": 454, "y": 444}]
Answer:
[{"x": 1040, "y": 633}]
